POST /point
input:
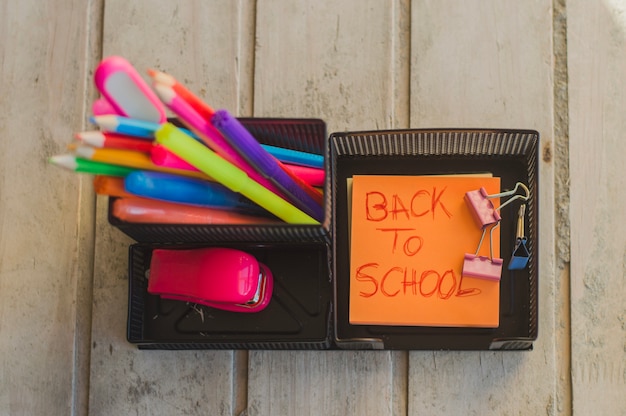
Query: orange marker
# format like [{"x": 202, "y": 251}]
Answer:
[
  {"x": 149, "y": 211},
  {"x": 110, "y": 185}
]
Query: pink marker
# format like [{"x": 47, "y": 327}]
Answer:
[
  {"x": 102, "y": 107},
  {"x": 125, "y": 90},
  {"x": 210, "y": 135},
  {"x": 162, "y": 157},
  {"x": 312, "y": 176}
]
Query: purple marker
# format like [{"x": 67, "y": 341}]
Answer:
[{"x": 251, "y": 150}]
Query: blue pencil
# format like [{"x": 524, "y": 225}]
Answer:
[
  {"x": 125, "y": 125},
  {"x": 130, "y": 126}
]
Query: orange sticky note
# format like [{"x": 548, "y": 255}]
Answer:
[{"x": 409, "y": 236}]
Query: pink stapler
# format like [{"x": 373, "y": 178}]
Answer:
[{"x": 221, "y": 278}]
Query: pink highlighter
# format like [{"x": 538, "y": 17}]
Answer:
[
  {"x": 160, "y": 156},
  {"x": 126, "y": 92},
  {"x": 222, "y": 278}
]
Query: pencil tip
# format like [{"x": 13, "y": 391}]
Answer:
[
  {"x": 160, "y": 77},
  {"x": 165, "y": 93},
  {"x": 93, "y": 138},
  {"x": 86, "y": 152},
  {"x": 65, "y": 161}
]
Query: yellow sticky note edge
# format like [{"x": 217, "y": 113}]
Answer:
[{"x": 408, "y": 238}]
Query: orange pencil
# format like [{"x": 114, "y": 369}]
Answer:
[
  {"x": 194, "y": 101},
  {"x": 132, "y": 159}
]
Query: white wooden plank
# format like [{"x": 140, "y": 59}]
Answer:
[
  {"x": 341, "y": 62},
  {"x": 596, "y": 62},
  {"x": 488, "y": 64},
  {"x": 202, "y": 45},
  {"x": 46, "y": 214}
]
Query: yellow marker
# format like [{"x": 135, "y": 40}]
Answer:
[{"x": 224, "y": 172}]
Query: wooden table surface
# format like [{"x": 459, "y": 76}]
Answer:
[{"x": 556, "y": 66}]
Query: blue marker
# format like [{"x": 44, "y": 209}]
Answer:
[
  {"x": 295, "y": 156},
  {"x": 175, "y": 188}
]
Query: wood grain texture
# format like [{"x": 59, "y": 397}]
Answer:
[
  {"x": 357, "y": 64},
  {"x": 488, "y": 64},
  {"x": 201, "y": 44},
  {"x": 597, "y": 61},
  {"x": 46, "y": 214},
  {"x": 341, "y": 62}
]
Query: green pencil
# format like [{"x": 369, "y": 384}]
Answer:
[{"x": 78, "y": 164}]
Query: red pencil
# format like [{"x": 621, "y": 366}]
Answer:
[{"x": 114, "y": 141}]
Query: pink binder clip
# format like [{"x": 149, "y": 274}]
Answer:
[
  {"x": 482, "y": 209},
  {"x": 482, "y": 267},
  {"x": 221, "y": 278}
]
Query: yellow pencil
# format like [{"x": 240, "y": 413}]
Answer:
[{"x": 132, "y": 159}]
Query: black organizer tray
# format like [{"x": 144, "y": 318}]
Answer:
[
  {"x": 307, "y": 135},
  {"x": 509, "y": 154},
  {"x": 298, "y": 316},
  {"x": 311, "y": 263}
]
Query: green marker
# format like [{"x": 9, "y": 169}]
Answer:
[
  {"x": 78, "y": 164},
  {"x": 229, "y": 175}
]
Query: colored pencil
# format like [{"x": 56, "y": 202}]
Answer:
[
  {"x": 210, "y": 135},
  {"x": 125, "y": 125},
  {"x": 114, "y": 141},
  {"x": 78, "y": 164},
  {"x": 194, "y": 101},
  {"x": 228, "y": 175},
  {"x": 131, "y": 159}
]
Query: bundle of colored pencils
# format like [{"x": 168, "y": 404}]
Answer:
[{"x": 207, "y": 169}]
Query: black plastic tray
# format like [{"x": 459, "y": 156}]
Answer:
[
  {"x": 509, "y": 154},
  {"x": 307, "y": 135},
  {"x": 298, "y": 316},
  {"x": 310, "y": 305}
]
